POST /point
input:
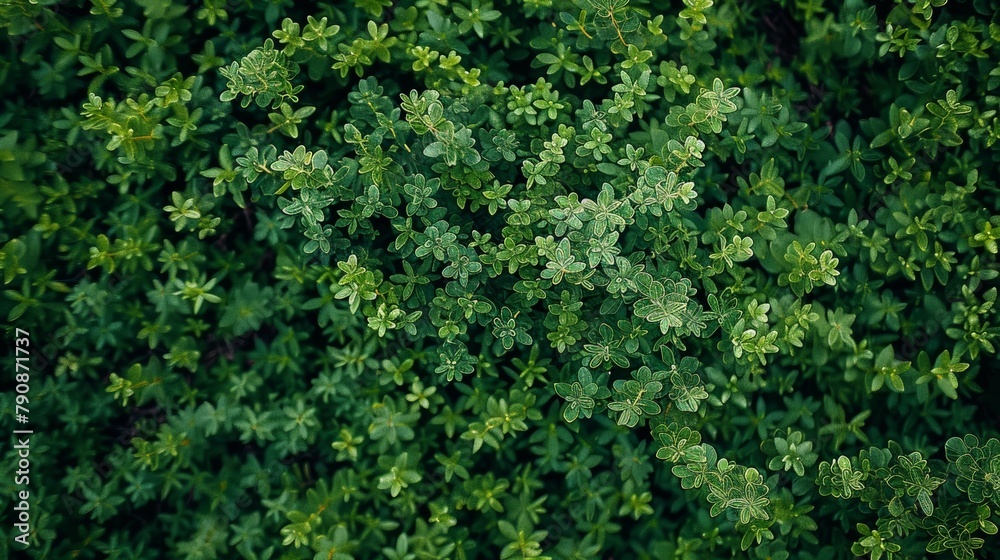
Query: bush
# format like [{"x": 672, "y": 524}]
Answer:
[{"x": 543, "y": 279}]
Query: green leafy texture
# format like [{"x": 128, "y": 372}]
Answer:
[{"x": 541, "y": 279}]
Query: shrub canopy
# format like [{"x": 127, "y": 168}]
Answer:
[{"x": 564, "y": 279}]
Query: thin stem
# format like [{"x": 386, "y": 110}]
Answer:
[
  {"x": 583, "y": 25},
  {"x": 618, "y": 30}
]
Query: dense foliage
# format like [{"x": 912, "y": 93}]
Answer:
[{"x": 495, "y": 278}]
